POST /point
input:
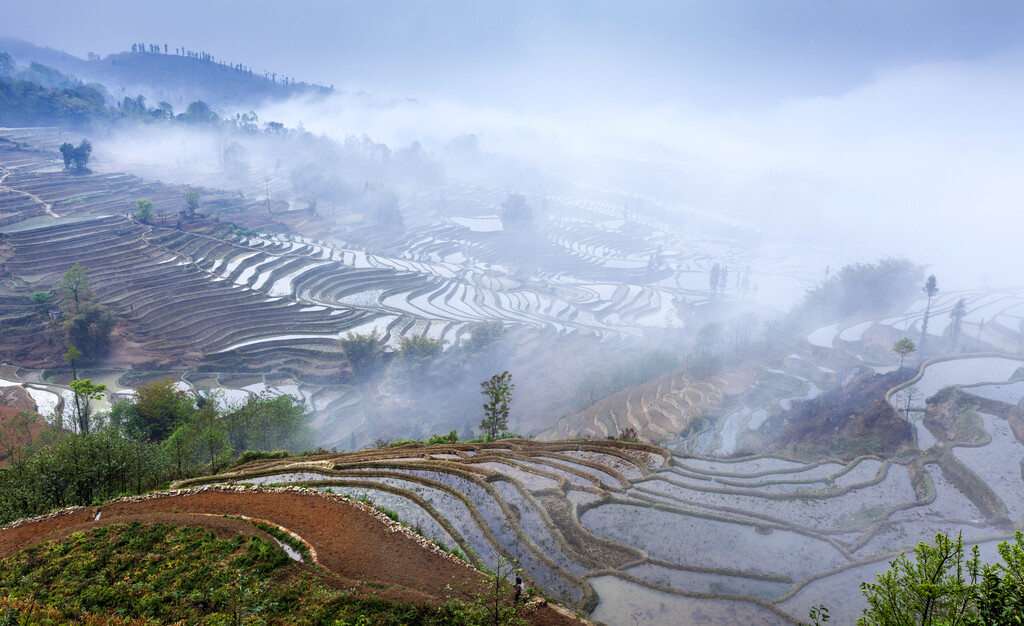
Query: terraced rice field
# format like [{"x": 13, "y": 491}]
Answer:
[{"x": 631, "y": 530}]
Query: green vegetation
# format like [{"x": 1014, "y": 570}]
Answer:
[
  {"x": 363, "y": 353},
  {"x": 163, "y": 574},
  {"x": 283, "y": 537},
  {"x": 862, "y": 288},
  {"x": 903, "y": 347},
  {"x": 160, "y": 435},
  {"x": 26, "y": 102},
  {"x": 75, "y": 288},
  {"x": 943, "y": 585},
  {"x": 41, "y": 298},
  {"x": 144, "y": 210},
  {"x": 85, "y": 391},
  {"x": 498, "y": 391},
  {"x": 417, "y": 353},
  {"x": 83, "y": 324},
  {"x": 491, "y": 601},
  {"x": 191, "y": 197}
]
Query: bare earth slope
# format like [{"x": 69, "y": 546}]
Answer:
[{"x": 348, "y": 539}]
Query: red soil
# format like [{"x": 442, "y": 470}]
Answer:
[{"x": 347, "y": 540}]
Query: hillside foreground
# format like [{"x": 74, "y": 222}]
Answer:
[{"x": 358, "y": 548}]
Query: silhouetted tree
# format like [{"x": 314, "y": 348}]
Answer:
[
  {"x": 517, "y": 212},
  {"x": 6, "y": 64},
  {"x": 77, "y": 157},
  {"x": 956, "y": 316},
  {"x": 713, "y": 279},
  {"x": 199, "y": 112},
  {"x": 930, "y": 289}
]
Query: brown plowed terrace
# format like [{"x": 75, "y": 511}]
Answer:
[{"x": 349, "y": 541}]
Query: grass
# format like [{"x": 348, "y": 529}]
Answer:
[
  {"x": 157, "y": 574},
  {"x": 282, "y": 536}
]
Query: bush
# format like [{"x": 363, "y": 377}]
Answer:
[{"x": 451, "y": 437}]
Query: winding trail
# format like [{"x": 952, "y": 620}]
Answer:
[{"x": 46, "y": 206}]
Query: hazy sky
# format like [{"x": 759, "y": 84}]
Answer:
[
  {"x": 892, "y": 124},
  {"x": 720, "y": 52}
]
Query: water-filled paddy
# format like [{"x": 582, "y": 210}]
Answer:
[
  {"x": 851, "y": 509},
  {"x": 529, "y": 480},
  {"x": 708, "y": 583},
  {"x": 624, "y": 602},
  {"x": 999, "y": 462},
  {"x": 965, "y": 372},
  {"x": 723, "y": 544},
  {"x": 1010, "y": 393}
]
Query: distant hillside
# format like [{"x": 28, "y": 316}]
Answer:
[{"x": 185, "y": 75}]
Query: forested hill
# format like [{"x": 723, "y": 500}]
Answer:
[{"x": 171, "y": 74}]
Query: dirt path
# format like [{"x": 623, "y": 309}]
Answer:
[
  {"x": 348, "y": 541},
  {"x": 46, "y": 207}
]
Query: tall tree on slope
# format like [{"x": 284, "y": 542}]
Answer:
[{"x": 930, "y": 289}]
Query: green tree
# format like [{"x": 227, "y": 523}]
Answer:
[
  {"x": 191, "y": 196},
  {"x": 943, "y": 585},
  {"x": 71, "y": 357},
  {"x": 85, "y": 391},
  {"x": 498, "y": 391},
  {"x": 159, "y": 408},
  {"x": 363, "y": 353},
  {"x": 77, "y": 157},
  {"x": 956, "y": 316},
  {"x": 180, "y": 449},
  {"x": 90, "y": 330},
  {"x": 144, "y": 209},
  {"x": 1001, "y": 591},
  {"x": 67, "y": 152},
  {"x": 212, "y": 436},
  {"x": 41, "y": 297},
  {"x": 75, "y": 288},
  {"x": 482, "y": 337},
  {"x": 417, "y": 352},
  {"x": 937, "y": 587},
  {"x": 199, "y": 112},
  {"x": 163, "y": 111},
  {"x": 268, "y": 422},
  {"x": 930, "y": 289},
  {"x": 903, "y": 347}
]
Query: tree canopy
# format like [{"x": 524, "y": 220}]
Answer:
[
  {"x": 76, "y": 157},
  {"x": 863, "y": 288},
  {"x": 943, "y": 585},
  {"x": 144, "y": 209},
  {"x": 516, "y": 213},
  {"x": 363, "y": 353},
  {"x": 498, "y": 391}
]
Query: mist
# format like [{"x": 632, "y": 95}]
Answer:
[{"x": 872, "y": 129}]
